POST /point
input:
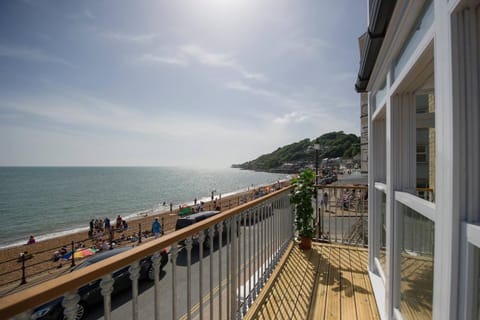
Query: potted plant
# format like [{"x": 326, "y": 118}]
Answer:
[{"x": 301, "y": 198}]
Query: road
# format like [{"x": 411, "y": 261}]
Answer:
[{"x": 121, "y": 303}]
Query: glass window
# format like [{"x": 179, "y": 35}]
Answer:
[
  {"x": 382, "y": 228},
  {"x": 419, "y": 30},
  {"x": 380, "y": 94},
  {"x": 416, "y": 265},
  {"x": 425, "y": 146},
  {"x": 422, "y": 153},
  {"x": 477, "y": 281}
]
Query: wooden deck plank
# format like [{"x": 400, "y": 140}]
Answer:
[
  {"x": 327, "y": 282},
  {"x": 307, "y": 287},
  {"x": 363, "y": 258},
  {"x": 333, "y": 297},
  {"x": 295, "y": 280},
  {"x": 319, "y": 298},
  {"x": 348, "y": 310},
  {"x": 361, "y": 292}
]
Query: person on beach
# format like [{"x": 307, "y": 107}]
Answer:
[
  {"x": 107, "y": 224},
  {"x": 119, "y": 224},
  {"x": 156, "y": 228},
  {"x": 31, "y": 240}
]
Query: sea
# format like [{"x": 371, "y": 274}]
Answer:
[{"x": 52, "y": 201}]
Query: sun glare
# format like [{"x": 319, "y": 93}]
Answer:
[{"x": 226, "y": 5}]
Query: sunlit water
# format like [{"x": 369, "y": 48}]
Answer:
[{"x": 50, "y": 201}]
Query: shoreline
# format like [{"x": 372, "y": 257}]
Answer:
[
  {"x": 41, "y": 265},
  {"x": 129, "y": 217}
]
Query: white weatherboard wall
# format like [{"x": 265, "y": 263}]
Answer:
[{"x": 431, "y": 48}]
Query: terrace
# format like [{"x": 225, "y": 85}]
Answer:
[{"x": 252, "y": 270}]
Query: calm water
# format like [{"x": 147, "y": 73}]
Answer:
[{"x": 50, "y": 201}]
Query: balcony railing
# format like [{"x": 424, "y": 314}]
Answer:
[
  {"x": 215, "y": 277},
  {"x": 342, "y": 214}
]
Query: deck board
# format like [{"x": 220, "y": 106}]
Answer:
[
  {"x": 319, "y": 295},
  {"x": 327, "y": 282},
  {"x": 347, "y": 303},
  {"x": 333, "y": 297},
  {"x": 365, "y": 301}
]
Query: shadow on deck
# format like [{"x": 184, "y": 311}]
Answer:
[{"x": 326, "y": 282}]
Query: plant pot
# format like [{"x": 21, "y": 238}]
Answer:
[{"x": 306, "y": 243}]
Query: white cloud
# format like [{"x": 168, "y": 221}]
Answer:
[
  {"x": 150, "y": 58},
  {"x": 305, "y": 46},
  {"x": 292, "y": 117},
  {"x": 241, "y": 86},
  {"x": 219, "y": 60},
  {"x": 31, "y": 54},
  {"x": 117, "y": 135},
  {"x": 187, "y": 54},
  {"x": 89, "y": 14},
  {"x": 131, "y": 38}
]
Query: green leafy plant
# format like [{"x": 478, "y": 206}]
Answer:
[{"x": 301, "y": 198}]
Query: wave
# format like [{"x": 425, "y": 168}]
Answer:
[{"x": 131, "y": 216}]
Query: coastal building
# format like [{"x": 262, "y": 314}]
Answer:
[
  {"x": 363, "y": 118},
  {"x": 364, "y": 133},
  {"x": 420, "y": 68}
]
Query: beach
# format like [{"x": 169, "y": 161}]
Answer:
[{"x": 41, "y": 266}]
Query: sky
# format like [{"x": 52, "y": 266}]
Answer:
[{"x": 200, "y": 83}]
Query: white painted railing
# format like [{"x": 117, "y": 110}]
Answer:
[{"x": 222, "y": 283}]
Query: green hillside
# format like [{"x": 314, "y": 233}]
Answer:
[{"x": 332, "y": 145}]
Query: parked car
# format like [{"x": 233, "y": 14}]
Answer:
[
  {"x": 186, "y": 221},
  {"x": 90, "y": 294}
]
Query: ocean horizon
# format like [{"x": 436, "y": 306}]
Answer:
[{"x": 52, "y": 201}]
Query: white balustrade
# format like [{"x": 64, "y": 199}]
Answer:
[
  {"x": 250, "y": 244},
  {"x": 134, "y": 275}
]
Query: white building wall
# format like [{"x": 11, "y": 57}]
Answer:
[{"x": 442, "y": 58}]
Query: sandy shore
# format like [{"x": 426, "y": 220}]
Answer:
[{"x": 41, "y": 265}]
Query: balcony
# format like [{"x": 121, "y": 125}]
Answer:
[
  {"x": 250, "y": 269},
  {"x": 328, "y": 282}
]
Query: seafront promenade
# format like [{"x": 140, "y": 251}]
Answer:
[{"x": 41, "y": 267}]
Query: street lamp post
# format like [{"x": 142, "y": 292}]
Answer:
[
  {"x": 316, "y": 146},
  {"x": 22, "y": 259}
]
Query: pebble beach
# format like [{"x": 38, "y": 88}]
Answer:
[{"x": 42, "y": 265}]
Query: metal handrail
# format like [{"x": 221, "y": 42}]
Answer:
[{"x": 32, "y": 297}]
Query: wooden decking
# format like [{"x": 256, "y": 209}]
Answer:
[{"x": 327, "y": 282}]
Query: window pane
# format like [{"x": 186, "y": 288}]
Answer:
[
  {"x": 416, "y": 263},
  {"x": 419, "y": 30},
  {"x": 477, "y": 282},
  {"x": 425, "y": 146},
  {"x": 380, "y": 95},
  {"x": 382, "y": 228}
]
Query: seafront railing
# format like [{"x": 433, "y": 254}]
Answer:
[
  {"x": 222, "y": 274},
  {"x": 28, "y": 263}
]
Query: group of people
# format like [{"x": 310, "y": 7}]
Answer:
[{"x": 98, "y": 227}]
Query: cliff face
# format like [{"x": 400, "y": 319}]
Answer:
[{"x": 294, "y": 156}]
